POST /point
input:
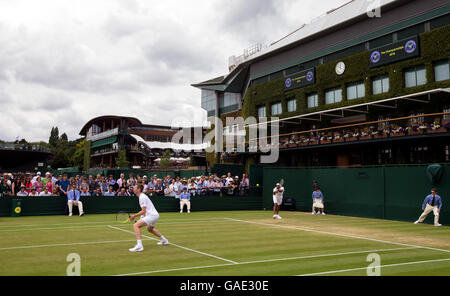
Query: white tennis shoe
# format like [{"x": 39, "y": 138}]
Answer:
[
  {"x": 438, "y": 225},
  {"x": 136, "y": 249},
  {"x": 163, "y": 242}
]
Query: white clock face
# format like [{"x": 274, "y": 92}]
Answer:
[{"x": 340, "y": 68}]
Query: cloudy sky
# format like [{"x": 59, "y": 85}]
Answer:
[{"x": 64, "y": 62}]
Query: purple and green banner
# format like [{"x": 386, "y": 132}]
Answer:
[
  {"x": 300, "y": 79},
  {"x": 404, "y": 49}
]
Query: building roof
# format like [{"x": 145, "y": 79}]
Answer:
[
  {"x": 170, "y": 145},
  {"x": 334, "y": 18},
  {"x": 132, "y": 121}
]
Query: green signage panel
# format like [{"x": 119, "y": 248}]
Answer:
[
  {"x": 301, "y": 79},
  {"x": 404, "y": 49}
]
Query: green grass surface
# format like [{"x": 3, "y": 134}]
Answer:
[{"x": 224, "y": 243}]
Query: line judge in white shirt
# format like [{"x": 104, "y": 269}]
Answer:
[
  {"x": 277, "y": 200},
  {"x": 149, "y": 217}
]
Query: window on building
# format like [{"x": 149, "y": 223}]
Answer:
[
  {"x": 384, "y": 124},
  {"x": 415, "y": 76},
  {"x": 381, "y": 41},
  {"x": 313, "y": 100},
  {"x": 411, "y": 31},
  {"x": 229, "y": 99},
  {"x": 262, "y": 111},
  {"x": 442, "y": 70},
  {"x": 333, "y": 95},
  {"x": 380, "y": 84},
  {"x": 276, "y": 109},
  {"x": 208, "y": 100},
  {"x": 385, "y": 155},
  {"x": 292, "y": 105},
  {"x": 419, "y": 154},
  {"x": 440, "y": 21},
  {"x": 356, "y": 90},
  {"x": 445, "y": 110}
]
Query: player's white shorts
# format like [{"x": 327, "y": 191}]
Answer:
[
  {"x": 318, "y": 204},
  {"x": 277, "y": 200},
  {"x": 150, "y": 220}
]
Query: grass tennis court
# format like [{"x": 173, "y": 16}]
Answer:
[{"x": 239, "y": 243}]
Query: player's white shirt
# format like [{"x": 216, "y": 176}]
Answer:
[
  {"x": 144, "y": 201},
  {"x": 278, "y": 194}
]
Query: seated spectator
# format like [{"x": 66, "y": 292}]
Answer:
[
  {"x": 5, "y": 189},
  {"x": 22, "y": 191},
  {"x": 64, "y": 185},
  {"x": 45, "y": 192},
  {"x": 38, "y": 185},
  {"x": 159, "y": 189},
  {"x": 185, "y": 199},
  {"x": 122, "y": 192},
  {"x": 131, "y": 180},
  {"x": 110, "y": 191},
  {"x": 192, "y": 188},
  {"x": 97, "y": 192},
  {"x": 218, "y": 187},
  {"x": 104, "y": 186},
  {"x": 131, "y": 190},
  {"x": 33, "y": 192},
  {"x": 85, "y": 190},
  {"x": 73, "y": 199},
  {"x": 50, "y": 186},
  {"x": 231, "y": 188}
]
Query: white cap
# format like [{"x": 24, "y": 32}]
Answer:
[
  {"x": 38, "y": 173},
  {"x": 144, "y": 177},
  {"x": 278, "y": 184}
]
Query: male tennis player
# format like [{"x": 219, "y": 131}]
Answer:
[
  {"x": 432, "y": 203},
  {"x": 149, "y": 217},
  {"x": 277, "y": 200}
]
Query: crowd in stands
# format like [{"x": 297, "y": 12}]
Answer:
[
  {"x": 411, "y": 127},
  {"x": 49, "y": 185}
]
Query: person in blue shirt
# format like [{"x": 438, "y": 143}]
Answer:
[
  {"x": 317, "y": 198},
  {"x": 63, "y": 185},
  {"x": 432, "y": 203},
  {"x": 185, "y": 199},
  {"x": 110, "y": 191},
  {"x": 73, "y": 199}
]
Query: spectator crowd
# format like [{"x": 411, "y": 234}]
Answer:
[{"x": 49, "y": 185}]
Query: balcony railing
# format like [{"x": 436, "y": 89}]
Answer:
[
  {"x": 427, "y": 124},
  {"x": 103, "y": 135},
  {"x": 24, "y": 147}
]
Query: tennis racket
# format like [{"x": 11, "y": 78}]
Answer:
[
  {"x": 123, "y": 217},
  {"x": 281, "y": 182}
]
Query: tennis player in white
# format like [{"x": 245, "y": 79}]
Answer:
[
  {"x": 149, "y": 217},
  {"x": 277, "y": 200}
]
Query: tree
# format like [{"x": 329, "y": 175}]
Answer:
[
  {"x": 122, "y": 161},
  {"x": 77, "y": 158},
  {"x": 54, "y": 136},
  {"x": 165, "y": 160}
]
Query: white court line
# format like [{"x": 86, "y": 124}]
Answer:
[
  {"x": 63, "y": 245},
  {"x": 387, "y": 265},
  {"x": 108, "y": 222},
  {"x": 175, "y": 245},
  {"x": 338, "y": 234},
  {"x": 268, "y": 260},
  {"x": 103, "y": 224}
]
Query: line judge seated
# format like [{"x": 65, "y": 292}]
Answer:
[{"x": 73, "y": 199}]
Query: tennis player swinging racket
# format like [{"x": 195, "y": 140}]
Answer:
[{"x": 278, "y": 198}]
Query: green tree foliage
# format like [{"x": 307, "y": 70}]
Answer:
[
  {"x": 122, "y": 161},
  {"x": 65, "y": 152},
  {"x": 165, "y": 160}
]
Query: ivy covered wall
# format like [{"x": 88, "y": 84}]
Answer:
[{"x": 434, "y": 46}]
